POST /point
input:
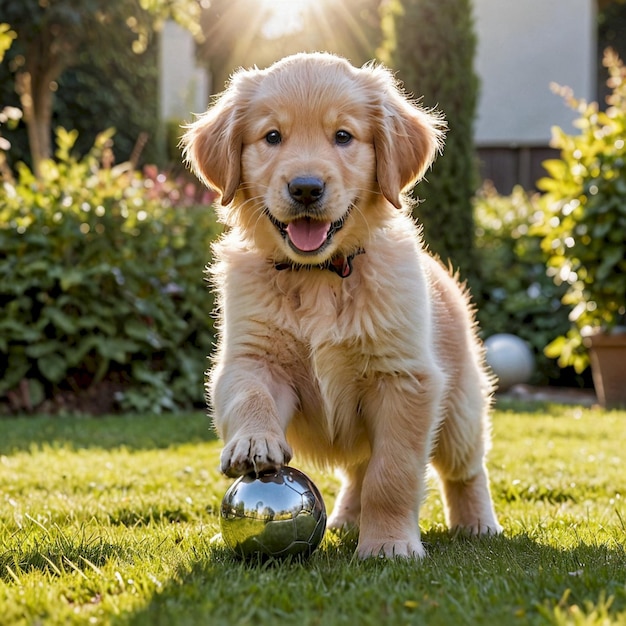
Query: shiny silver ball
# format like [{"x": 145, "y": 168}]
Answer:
[{"x": 273, "y": 515}]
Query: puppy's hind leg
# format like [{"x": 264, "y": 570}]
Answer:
[
  {"x": 459, "y": 460},
  {"x": 347, "y": 510},
  {"x": 469, "y": 506}
]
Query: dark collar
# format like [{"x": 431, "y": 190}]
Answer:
[{"x": 340, "y": 264}]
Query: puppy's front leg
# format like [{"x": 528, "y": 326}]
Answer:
[
  {"x": 251, "y": 412},
  {"x": 401, "y": 413}
]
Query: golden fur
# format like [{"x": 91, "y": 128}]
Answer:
[{"x": 376, "y": 374}]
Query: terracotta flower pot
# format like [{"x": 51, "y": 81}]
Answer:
[{"x": 608, "y": 368}]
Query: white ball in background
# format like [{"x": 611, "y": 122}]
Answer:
[{"x": 510, "y": 359}]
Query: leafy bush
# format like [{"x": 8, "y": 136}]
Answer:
[
  {"x": 516, "y": 295},
  {"x": 102, "y": 277},
  {"x": 584, "y": 220}
]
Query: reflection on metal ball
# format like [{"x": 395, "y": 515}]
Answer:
[{"x": 277, "y": 515}]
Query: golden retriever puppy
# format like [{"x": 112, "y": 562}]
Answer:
[{"x": 341, "y": 338}]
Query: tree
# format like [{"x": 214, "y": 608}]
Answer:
[
  {"x": 50, "y": 34},
  {"x": 431, "y": 43}
]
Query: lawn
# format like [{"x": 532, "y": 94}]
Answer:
[{"x": 112, "y": 521}]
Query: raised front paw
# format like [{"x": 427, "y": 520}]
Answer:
[{"x": 254, "y": 454}]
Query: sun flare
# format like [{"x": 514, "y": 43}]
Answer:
[{"x": 284, "y": 16}]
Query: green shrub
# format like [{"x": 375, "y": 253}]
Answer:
[
  {"x": 584, "y": 219},
  {"x": 515, "y": 294},
  {"x": 102, "y": 275},
  {"x": 431, "y": 44}
]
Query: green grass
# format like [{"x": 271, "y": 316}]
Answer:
[{"x": 111, "y": 521}]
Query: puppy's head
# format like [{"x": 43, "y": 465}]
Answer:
[{"x": 312, "y": 153}]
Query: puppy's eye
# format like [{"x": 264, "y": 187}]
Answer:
[
  {"x": 273, "y": 137},
  {"x": 342, "y": 137}
]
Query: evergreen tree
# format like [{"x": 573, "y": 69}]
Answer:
[{"x": 431, "y": 45}]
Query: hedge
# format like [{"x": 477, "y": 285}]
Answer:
[{"x": 102, "y": 278}]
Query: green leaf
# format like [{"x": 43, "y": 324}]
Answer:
[
  {"x": 72, "y": 277},
  {"x": 66, "y": 323},
  {"x": 6, "y": 39},
  {"x": 554, "y": 348},
  {"x": 65, "y": 142},
  {"x": 609, "y": 262},
  {"x": 53, "y": 367},
  {"x": 17, "y": 368},
  {"x": 115, "y": 349},
  {"x": 36, "y": 392},
  {"x": 601, "y": 229},
  {"x": 17, "y": 331},
  {"x": 143, "y": 332},
  {"x": 555, "y": 167},
  {"x": 45, "y": 348}
]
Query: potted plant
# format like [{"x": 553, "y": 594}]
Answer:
[{"x": 584, "y": 235}]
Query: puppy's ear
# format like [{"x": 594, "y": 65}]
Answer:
[
  {"x": 212, "y": 145},
  {"x": 407, "y": 139}
]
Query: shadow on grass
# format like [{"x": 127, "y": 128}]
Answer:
[
  {"x": 461, "y": 581},
  {"x": 135, "y": 432}
]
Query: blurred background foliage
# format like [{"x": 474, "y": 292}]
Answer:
[
  {"x": 83, "y": 63},
  {"x": 102, "y": 285},
  {"x": 513, "y": 289},
  {"x": 102, "y": 245},
  {"x": 112, "y": 87},
  {"x": 583, "y": 222},
  {"x": 416, "y": 42}
]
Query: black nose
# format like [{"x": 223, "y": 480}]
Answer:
[{"x": 306, "y": 189}]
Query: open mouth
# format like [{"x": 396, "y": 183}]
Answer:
[{"x": 306, "y": 235}]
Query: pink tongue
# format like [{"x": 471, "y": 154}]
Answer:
[{"x": 307, "y": 234}]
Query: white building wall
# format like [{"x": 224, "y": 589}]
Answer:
[
  {"x": 183, "y": 86},
  {"x": 523, "y": 46}
]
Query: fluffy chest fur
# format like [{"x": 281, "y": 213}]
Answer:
[
  {"x": 328, "y": 338},
  {"x": 313, "y": 309}
]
